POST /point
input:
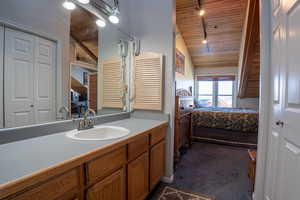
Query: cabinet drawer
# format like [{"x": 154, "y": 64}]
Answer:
[
  {"x": 111, "y": 188},
  {"x": 157, "y": 135},
  {"x": 105, "y": 165},
  {"x": 53, "y": 188},
  {"x": 138, "y": 147}
]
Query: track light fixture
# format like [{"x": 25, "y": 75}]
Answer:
[
  {"x": 201, "y": 12},
  {"x": 101, "y": 23},
  {"x": 114, "y": 18},
  {"x": 69, "y": 5},
  {"x": 84, "y": 1}
]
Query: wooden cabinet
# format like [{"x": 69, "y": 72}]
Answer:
[
  {"x": 157, "y": 135},
  {"x": 105, "y": 165},
  {"x": 138, "y": 147},
  {"x": 110, "y": 188},
  {"x": 138, "y": 178},
  {"x": 64, "y": 186},
  {"x": 157, "y": 163},
  {"x": 127, "y": 170}
]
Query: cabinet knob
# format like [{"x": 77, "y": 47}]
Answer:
[
  {"x": 31, "y": 105},
  {"x": 280, "y": 123}
]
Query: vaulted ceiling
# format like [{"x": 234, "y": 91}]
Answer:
[
  {"x": 224, "y": 22},
  {"x": 84, "y": 31},
  {"x": 250, "y": 55}
]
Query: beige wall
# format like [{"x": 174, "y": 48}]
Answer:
[{"x": 186, "y": 80}]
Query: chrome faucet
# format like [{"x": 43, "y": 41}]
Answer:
[{"x": 85, "y": 122}]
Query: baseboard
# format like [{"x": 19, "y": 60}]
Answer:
[
  {"x": 253, "y": 196},
  {"x": 168, "y": 179}
]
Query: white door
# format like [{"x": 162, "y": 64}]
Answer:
[
  {"x": 29, "y": 69},
  {"x": 18, "y": 78},
  {"x": 44, "y": 81},
  {"x": 1, "y": 74},
  {"x": 283, "y": 162}
]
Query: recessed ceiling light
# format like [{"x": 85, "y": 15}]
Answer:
[
  {"x": 201, "y": 12},
  {"x": 101, "y": 23},
  {"x": 204, "y": 41},
  {"x": 69, "y": 5},
  {"x": 84, "y": 1},
  {"x": 114, "y": 19}
]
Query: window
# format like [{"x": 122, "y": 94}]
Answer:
[
  {"x": 215, "y": 91},
  {"x": 205, "y": 94}
]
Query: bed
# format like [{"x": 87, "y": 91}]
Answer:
[{"x": 226, "y": 125}]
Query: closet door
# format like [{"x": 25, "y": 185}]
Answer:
[
  {"x": 18, "y": 78},
  {"x": 1, "y": 74},
  {"x": 44, "y": 80}
]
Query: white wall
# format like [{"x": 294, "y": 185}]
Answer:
[
  {"x": 77, "y": 73},
  {"x": 49, "y": 19},
  {"x": 153, "y": 22},
  {"x": 252, "y": 103}
]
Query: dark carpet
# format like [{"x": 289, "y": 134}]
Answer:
[{"x": 213, "y": 170}]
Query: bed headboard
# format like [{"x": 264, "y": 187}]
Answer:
[{"x": 183, "y": 103}]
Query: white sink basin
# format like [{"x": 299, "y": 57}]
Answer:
[{"x": 99, "y": 133}]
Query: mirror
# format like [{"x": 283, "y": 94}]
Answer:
[{"x": 58, "y": 64}]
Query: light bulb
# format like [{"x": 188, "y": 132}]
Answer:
[
  {"x": 101, "y": 23},
  {"x": 204, "y": 41},
  {"x": 201, "y": 12},
  {"x": 114, "y": 19},
  {"x": 84, "y": 1},
  {"x": 69, "y": 5}
]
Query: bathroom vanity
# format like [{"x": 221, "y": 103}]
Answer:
[
  {"x": 59, "y": 83},
  {"x": 117, "y": 169}
]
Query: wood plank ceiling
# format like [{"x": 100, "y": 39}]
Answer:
[
  {"x": 84, "y": 31},
  {"x": 224, "y": 22},
  {"x": 250, "y": 59}
]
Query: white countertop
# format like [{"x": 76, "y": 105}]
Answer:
[{"x": 25, "y": 157}]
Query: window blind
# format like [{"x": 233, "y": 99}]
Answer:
[
  {"x": 148, "y": 81},
  {"x": 112, "y": 83},
  {"x": 216, "y": 78}
]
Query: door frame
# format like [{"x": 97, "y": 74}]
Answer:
[
  {"x": 1, "y": 76},
  {"x": 264, "y": 100}
]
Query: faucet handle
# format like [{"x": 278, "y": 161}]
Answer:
[
  {"x": 89, "y": 110},
  {"x": 91, "y": 122}
]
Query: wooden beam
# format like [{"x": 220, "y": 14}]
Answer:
[
  {"x": 86, "y": 49},
  {"x": 252, "y": 33}
]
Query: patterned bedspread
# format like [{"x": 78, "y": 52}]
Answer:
[{"x": 243, "y": 120}]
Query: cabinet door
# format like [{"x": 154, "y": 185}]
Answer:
[
  {"x": 112, "y": 188},
  {"x": 44, "y": 68},
  {"x": 138, "y": 178},
  {"x": 18, "y": 78},
  {"x": 157, "y": 163}
]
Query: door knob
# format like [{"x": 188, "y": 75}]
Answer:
[
  {"x": 280, "y": 123},
  {"x": 31, "y": 105}
]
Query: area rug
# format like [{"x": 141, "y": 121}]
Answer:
[{"x": 170, "y": 193}]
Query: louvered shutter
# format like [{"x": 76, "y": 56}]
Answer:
[
  {"x": 148, "y": 81},
  {"x": 112, "y": 83}
]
